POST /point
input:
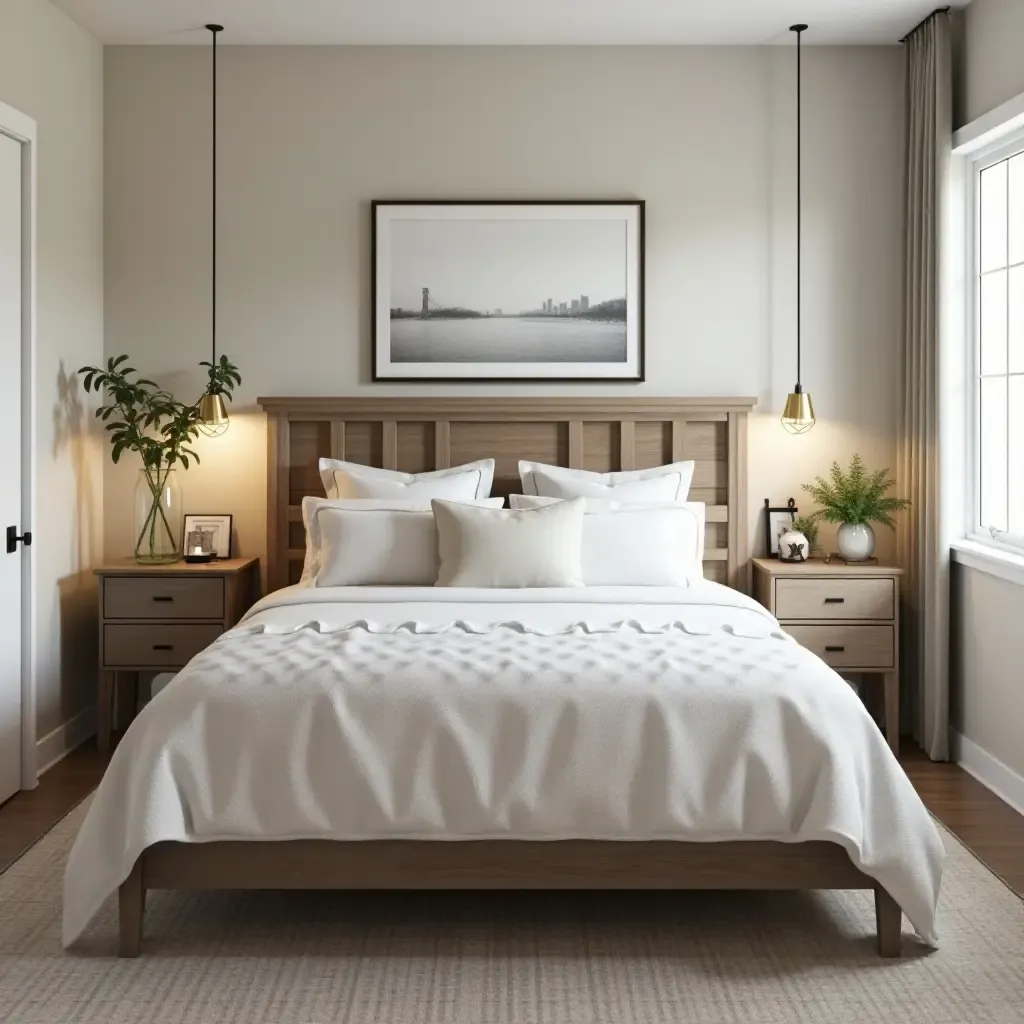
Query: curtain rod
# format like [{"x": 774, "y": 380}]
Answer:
[{"x": 924, "y": 21}]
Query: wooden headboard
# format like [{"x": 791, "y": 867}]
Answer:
[{"x": 601, "y": 434}]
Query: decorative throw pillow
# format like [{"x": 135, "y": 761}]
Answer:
[{"x": 482, "y": 547}]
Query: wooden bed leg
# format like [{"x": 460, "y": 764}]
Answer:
[
  {"x": 131, "y": 898},
  {"x": 889, "y": 922}
]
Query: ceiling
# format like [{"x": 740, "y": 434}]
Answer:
[{"x": 483, "y": 22}]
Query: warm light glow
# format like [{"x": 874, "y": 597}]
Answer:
[
  {"x": 798, "y": 415},
  {"x": 213, "y": 417}
]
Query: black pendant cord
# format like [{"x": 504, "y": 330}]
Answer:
[
  {"x": 214, "y": 29},
  {"x": 799, "y": 30}
]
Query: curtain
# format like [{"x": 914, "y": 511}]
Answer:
[{"x": 924, "y": 534}]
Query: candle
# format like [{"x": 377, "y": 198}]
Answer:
[{"x": 198, "y": 550}]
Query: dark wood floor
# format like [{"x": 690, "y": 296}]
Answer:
[{"x": 989, "y": 827}]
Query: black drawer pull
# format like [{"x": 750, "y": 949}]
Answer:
[
  {"x": 162, "y": 598},
  {"x": 163, "y": 647},
  {"x": 835, "y": 600},
  {"x": 834, "y": 647}
]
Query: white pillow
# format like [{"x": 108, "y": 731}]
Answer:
[
  {"x": 656, "y": 545},
  {"x": 662, "y": 483},
  {"x": 364, "y": 542},
  {"x": 460, "y": 483},
  {"x": 537, "y": 547}
]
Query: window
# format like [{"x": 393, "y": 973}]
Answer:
[{"x": 999, "y": 344}]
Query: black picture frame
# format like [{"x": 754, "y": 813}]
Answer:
[
  {"x": 773, "y": 518},
  {"x": 638, "y": 377},
  {"x": 226, "y": 522}
]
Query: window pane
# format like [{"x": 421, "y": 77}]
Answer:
[
  {"x": 1017, "y": 320},
  {"x": 1016, "y": 451},
  {"x": 993, "y": 217},
  {"x": 993, "y": 322},
  {"x": 1017, "y": 209},
  {"x": 993, "y": 453}
]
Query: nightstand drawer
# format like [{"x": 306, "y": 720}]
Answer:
[
  {"x": 834, "y": 598},
  {"x": 163, "y": 597},
  {"x": 155, "y": 645},
  {"x": 848, "y": 646}
]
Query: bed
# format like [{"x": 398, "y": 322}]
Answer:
[{"x": 656, "y": 738}]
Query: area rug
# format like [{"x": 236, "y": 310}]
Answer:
[{"x": 547, "y": 958}]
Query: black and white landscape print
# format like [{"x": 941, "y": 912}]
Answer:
[{"x": 498, "y": 291}]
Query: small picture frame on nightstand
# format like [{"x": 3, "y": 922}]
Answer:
[
  {"x": 776, "y": 522},
  {"x": 218, "y": 525}
]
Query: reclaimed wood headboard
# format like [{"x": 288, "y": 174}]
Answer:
[{"x": 601, "y": 434}]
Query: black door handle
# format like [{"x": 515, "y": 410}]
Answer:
[
  {"x": 835, "y": 600},
  {"x": 834, "y": 648},
  {"x": 13, "y": 538},
  {"x": 162, "y": 598},
  {"x": 163, "y": 647}
]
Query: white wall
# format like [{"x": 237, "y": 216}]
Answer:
[
  {"x": 52, "y": 70},
  {"x": 310, "y": 135},
  {"x": 987, "y": 705},
  {"x": 992, "y": 55}
]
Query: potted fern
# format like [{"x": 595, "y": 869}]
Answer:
[
  {"x": 855, "y": 500},
  {"x": 141, "y": 417}
]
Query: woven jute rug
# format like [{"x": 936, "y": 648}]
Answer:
[{"x": 614, "y": 958}]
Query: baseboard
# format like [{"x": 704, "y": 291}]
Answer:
[
  {"x": 56, "y": 745},
  {"x": 988, "y": 770}
]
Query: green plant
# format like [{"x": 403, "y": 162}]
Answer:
[
  {"x": 855, "y": 497},
  {"x": 224, "y": 376},
  {"x": 142, "y": 417},
  {"x": 808, "y": 526}
]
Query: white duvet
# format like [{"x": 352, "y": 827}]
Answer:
[{"x": 446, "y": 714}]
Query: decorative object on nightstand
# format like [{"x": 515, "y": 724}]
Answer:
[
  {"x": 777, "y": 521},
  {"x": 214, "y": 531},
  {"x": 855, "y": 500},
  {"x": 846, "y": 614},
  {"x": 156, "y": 618},
  {"x": 798, "y": 414},
  {"x": 809, "y": 528},
  {"x": 794, "y": 546}
]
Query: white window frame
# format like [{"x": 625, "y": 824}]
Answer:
[{"x": 1008, "y": 144}]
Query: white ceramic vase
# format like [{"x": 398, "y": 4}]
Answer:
[
  {"x": 793, "y": 547},
  {"x": 856, "y": 541}
]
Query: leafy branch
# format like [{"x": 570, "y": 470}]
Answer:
[
  {"x": 224, "y": 377},
  {"x": 856, "y": 496}
]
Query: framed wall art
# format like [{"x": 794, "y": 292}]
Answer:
[{"x": 508, "y": 291}]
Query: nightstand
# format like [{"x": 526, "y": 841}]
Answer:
[
  {"x": 849, "y": 615},
  {"x": 156, "y": 618}
]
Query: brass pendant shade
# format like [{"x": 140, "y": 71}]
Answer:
[
  {"x": 798, "y": 415},
  {"x": 213, "y": 414}
]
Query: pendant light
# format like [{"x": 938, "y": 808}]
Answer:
[
  {"x": 798, "y": 415},
  {"x": 213, "y": 416}
]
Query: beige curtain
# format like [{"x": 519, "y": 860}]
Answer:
[{"x": 924, "y": 533}]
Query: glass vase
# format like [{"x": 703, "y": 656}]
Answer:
[{"x": 158, "y": 512}]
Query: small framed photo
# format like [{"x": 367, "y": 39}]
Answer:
[
  {"x": 217, "y": 527},
  {"x": 776, "y": 522}
]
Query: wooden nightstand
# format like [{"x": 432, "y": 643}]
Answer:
[
  {"x": 155, "y": 618},
  {"x": 849, "y": 615}
]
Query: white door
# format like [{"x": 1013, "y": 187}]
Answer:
[{"x": 10, "y": 464}]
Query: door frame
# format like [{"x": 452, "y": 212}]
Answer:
[{"x": 22, "y": 128}]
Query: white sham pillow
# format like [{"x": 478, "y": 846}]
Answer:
[
  {"x": 536, "y": 547},
  {"x": 625, "y": 545},
  {"x": 661, "y": 483},
  {"x": 460, "y": 483},
  {"x": 370, "y": 541}
]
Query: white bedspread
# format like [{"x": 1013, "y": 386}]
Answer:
[{"x": 426, "y": 713}]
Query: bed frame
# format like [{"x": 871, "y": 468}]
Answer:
[{"x": 416, "y": 434}]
